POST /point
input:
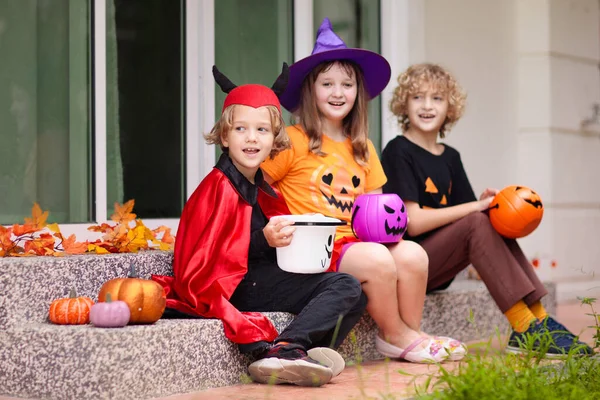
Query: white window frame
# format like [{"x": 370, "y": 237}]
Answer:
[
  {"x": 200, "y": 109},
  {"x": 402, "y": 44}
]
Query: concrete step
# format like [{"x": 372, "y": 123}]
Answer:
[{"x": 42, "y": 360}]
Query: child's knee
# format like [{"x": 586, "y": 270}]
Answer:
[
  {"x": 412, "y": 257},
  {"x": 353, "y": 285},
  {"x": 381, "y": 263},
  {"x": 478, "y": 221}
]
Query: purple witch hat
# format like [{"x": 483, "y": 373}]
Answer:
[{"x": 330, "y": 47}]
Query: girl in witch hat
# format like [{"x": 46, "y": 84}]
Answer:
[
  {"x": 331, "y": 162},
  {"x": 225, "y": 266}
]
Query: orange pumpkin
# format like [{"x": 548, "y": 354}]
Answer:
[
  {"x": 146, "y": 299},
  {"x": 516, "y": 211},
  {"x": 72, "y": 310}
]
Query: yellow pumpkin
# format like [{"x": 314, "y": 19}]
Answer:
[{"x": 146, "y": 299}]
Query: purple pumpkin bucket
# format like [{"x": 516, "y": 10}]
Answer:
[{"x": 379, "y": 218}]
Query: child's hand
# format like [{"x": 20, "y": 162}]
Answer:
[
  {"x": 484, "y": 203},
  {"x": 488, "y": 192},
  {"x": 279, "y": 232}
]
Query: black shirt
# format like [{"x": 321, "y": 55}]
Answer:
[
  {"x": 432, "y": 181},
  {"x": 259, "y": 249}
]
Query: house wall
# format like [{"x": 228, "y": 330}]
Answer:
[{"x": 531, "y": 72}]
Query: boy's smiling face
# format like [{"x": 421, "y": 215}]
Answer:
[
  {"x": 250, "y": 139},
  {"x": 427, "y": 109}
]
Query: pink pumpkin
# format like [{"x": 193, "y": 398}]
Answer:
[
  {"x": 110, "y": 314},
  {"x": 379, "y": 218}
]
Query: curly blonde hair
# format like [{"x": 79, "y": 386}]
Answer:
[
  {"x": 225, "y": 123},
  {"x": 355, "y": 124},
  {"x": 411, "y": 81}
]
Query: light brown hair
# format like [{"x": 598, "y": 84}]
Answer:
[
  {"x": 225, "y": 124},
  {"x": 355, "y": 124},
  {"x": 411, "y": 81}
]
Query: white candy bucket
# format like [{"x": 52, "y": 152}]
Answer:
[{"x": 312, "y": 244}]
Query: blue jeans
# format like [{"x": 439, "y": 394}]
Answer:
[{"x": 317, "y": 300}]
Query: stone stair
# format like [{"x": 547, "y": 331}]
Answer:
[{"x": 42, "y": 360}]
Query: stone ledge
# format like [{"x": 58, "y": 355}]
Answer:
[
  {"x": 28, "y": 285},
  {"x": 42, "y": 360}
]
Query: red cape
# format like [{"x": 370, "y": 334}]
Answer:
[{"x": 211, "y": 257}]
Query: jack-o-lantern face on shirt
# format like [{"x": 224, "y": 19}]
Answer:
[{"x": 334, "y": 188}]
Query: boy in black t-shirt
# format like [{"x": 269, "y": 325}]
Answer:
[{"x": 445, "y": 216}]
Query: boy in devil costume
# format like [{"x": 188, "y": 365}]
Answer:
[{"x": 225, "y": 261}]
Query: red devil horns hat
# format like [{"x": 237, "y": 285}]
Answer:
[{"x": 252, "y": 95}]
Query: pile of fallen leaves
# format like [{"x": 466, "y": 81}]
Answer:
[{"x": 125, "y": 235}]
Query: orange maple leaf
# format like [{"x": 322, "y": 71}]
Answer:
[
  {"x": 101, "y": 228},
  {"x": 115, "y": 234},
  {"x": 42, "y": 246},
  {"x": 73, "y": 247},
  {"x": 123, "y": 213},
  {"x": 38, "y": 217},
  {"x": 20, "y": 230},
  {"x": 166, "y": 237},
  {"x": 7, "y": 245}
]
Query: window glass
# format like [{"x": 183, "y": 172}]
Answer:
[
  {"x": 252, "y": 40},
  {"x": 145, "y": 105},
  {"x": 45, "y": 109}
]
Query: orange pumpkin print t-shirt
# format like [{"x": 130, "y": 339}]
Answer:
[{"x": 323, "y": 184}]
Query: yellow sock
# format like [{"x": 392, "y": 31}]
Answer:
[
  {"x": 538, "y": 310},
  {"x": 520, "y": 316}
]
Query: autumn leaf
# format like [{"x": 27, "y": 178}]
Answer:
[
  {"x": 101, "y": 228},
  {"x": 20, "y": 230},
  {"x": 136, "y": 239},
  {"x": 116, "y": 234},
  {"x": 94, "y": 248},
  {"x": 42, "y": 245},
  {"x": 123, "y": 213},
  {"x": 38, "y": 217},
  {"x": 166, "y": 237},
  {"x": 71, "y": 246},
  {"x": 7, "y": 245}
]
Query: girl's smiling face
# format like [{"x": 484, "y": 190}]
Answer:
[
  {"x": 427, "y": 110},
  {"x": 335, "y": 91}
]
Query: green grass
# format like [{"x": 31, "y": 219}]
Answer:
[{"x": 498, "y": 376}]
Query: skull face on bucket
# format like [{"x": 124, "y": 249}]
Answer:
[{"x": 379, "y": 218}]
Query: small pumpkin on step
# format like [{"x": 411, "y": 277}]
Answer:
[
  {"x": 72, "y": 310},
  {"x": 146, "y": 299},
  {"x": 110, "y": 314}
]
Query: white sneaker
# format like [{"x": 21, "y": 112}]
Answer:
[
  {"x": 301, "y": 371},
  {"x": 328, "y": 357}
]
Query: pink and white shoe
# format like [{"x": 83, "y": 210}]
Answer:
[
  {"x": 432, "y": 353},
  {"x": 456, "y": 349}
]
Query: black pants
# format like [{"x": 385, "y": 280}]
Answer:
[{"x": 318, "y": 300}]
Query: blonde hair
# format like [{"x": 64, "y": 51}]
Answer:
[
  {"x": 355, "y": 124},
  {"x": 411, "y": 81},
  {"x": 225, "y": 124}
]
